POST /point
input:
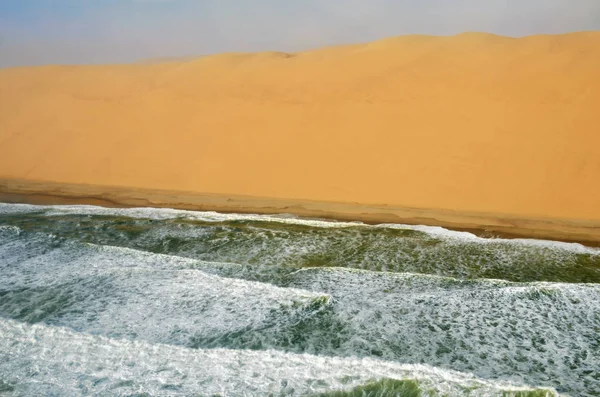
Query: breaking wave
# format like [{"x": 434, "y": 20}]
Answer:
[{"x": 167, "y": 302}]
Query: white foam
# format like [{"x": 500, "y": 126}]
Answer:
[
  {"x": 44, "y": 360},
  {"x": 210, "y": 216},
  {"x": 493, "y": 328},
  {"x": 531, "y": 332},
  {"x": 128, "y": 293},
  {"x": 9, "y": 209},
  {"x": 9, "y": 231},
  {"x": 470, "y": 237}
]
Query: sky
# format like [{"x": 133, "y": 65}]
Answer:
[{"x": 34, "y": 32}]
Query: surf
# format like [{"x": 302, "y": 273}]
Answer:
[
  {"x": 43, "y": 360},
  {"x": 287, "y": 306}
]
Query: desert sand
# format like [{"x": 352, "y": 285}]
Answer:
[{"x": 473, "y": 123}]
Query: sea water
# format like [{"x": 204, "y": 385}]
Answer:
[{"x": 160, "y": 302}]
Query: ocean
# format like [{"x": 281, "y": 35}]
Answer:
[{"x": 159, "y": 302}]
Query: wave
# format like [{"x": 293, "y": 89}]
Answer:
[
  {"x": 47, "y": 360},
  {"x": 259, "y": 294},
  {"x": 265, "y": 248},
  {"x": 211, "y": 216},
  {"x": 534, "y": 331},
  {"x": 525, "y": 332},
  {"x": 131, "y": 294}
]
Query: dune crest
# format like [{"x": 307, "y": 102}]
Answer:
[{"x": 473, "y": 122}]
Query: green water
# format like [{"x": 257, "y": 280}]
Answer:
[{"x": 167, "y": 302}]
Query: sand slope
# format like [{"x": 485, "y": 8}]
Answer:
[{"x": 473, "y": 122}]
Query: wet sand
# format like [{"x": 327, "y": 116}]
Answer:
[
  {"x": 485, "y": 225},
  {"x": 473, "y": 131}
]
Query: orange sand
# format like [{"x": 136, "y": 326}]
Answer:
[{"x": 473, "y": 122}]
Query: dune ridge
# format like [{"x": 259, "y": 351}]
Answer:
[{"x": 473, "y": 123}]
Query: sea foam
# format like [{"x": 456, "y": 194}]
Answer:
[{"x": 211, "y": 216}]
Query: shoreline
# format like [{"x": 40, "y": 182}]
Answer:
[
  {"x": 472, "y": 132},
  {"x": 586, "y": 232}
]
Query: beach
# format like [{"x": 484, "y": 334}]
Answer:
[
  {"x": 482, "y": 224},
  {"x": 455, "y": 131},
  {"x": 316, "y": 199}
]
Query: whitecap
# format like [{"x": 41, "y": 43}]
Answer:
[
  {"x": 44, "y": 360},
  {"x": 211, "y": 216}
]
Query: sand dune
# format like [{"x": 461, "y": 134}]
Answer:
[{"x": 473, "y": 122}]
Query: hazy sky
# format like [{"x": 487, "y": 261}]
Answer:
[{"x": 92, "y": 31}]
